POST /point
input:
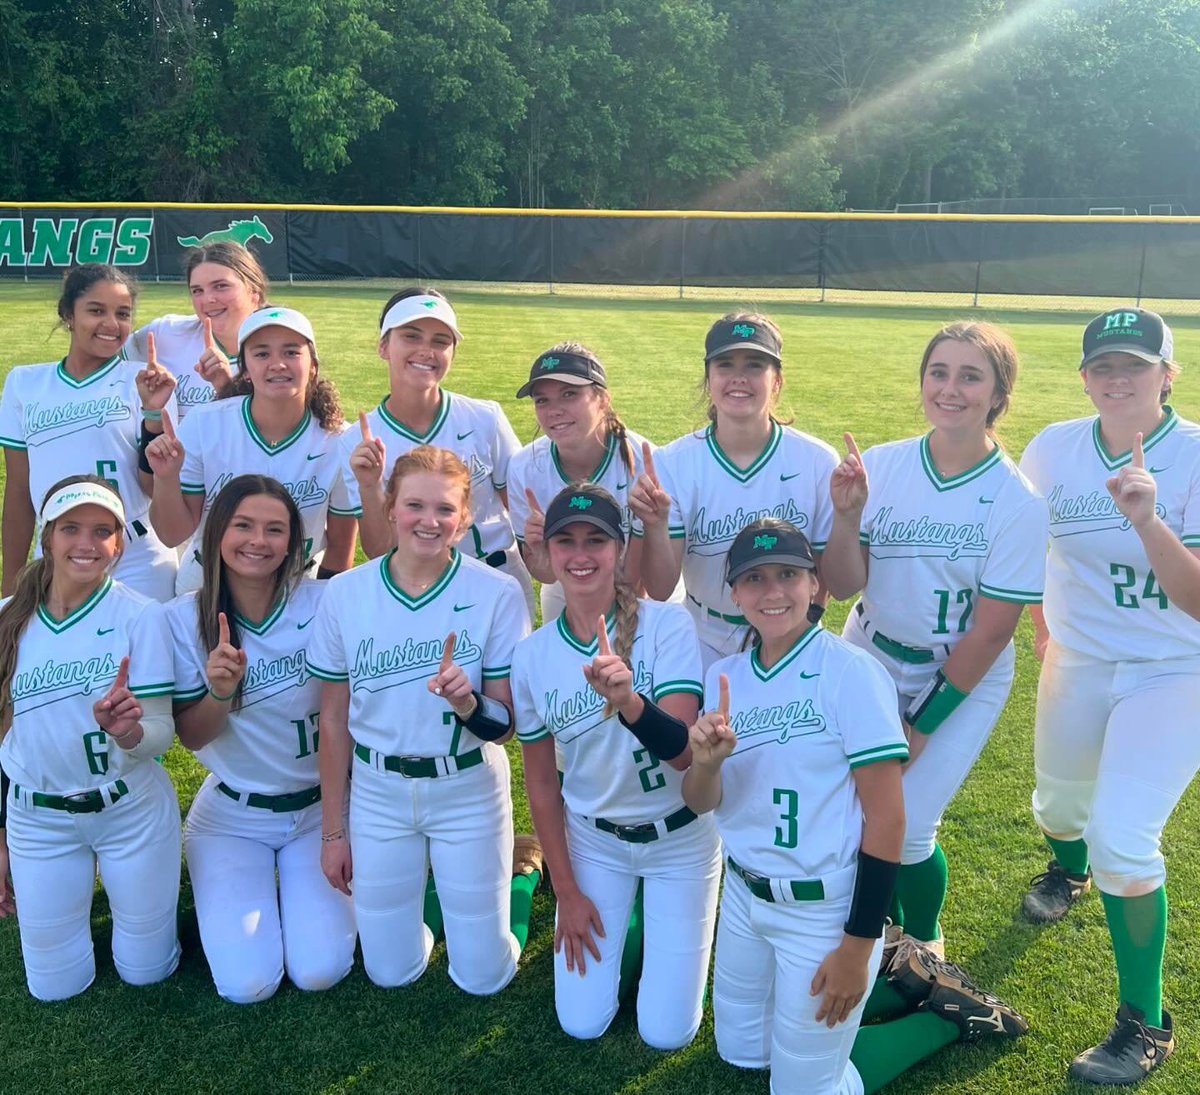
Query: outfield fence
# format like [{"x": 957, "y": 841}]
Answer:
[{"x": 970, "y": 257}]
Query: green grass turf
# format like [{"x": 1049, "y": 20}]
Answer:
[{"x": 847, "y": 368}]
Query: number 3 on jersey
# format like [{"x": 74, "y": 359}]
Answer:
[
  {"x": 1125, "y": 579},
  {"x": 787, "y": 835}
]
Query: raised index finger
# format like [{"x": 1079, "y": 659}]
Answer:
[
  {"x": 365, "y": 426},
  {"x": 151, "y": 354},
  {"x": 648, "y": 462},
  {"x": 122, "y": 680},
  {"x": 168, "y": 425},
  {"x": 531, "y": 498},
  {"x": 602, "y": 636},
  {"x": 222, "y": 628},
  {"x": 851, "y": 447},
  {"x": 210, "y": 343},
  {"x": 448, "y": 653},
  {"x": 723, "y": 700},
  {"x": 1139, "y": 453}
]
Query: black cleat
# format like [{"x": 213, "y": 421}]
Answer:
[
  {"x": 1129, "y": 1054},
  {"x": 1053, "y": 892}
]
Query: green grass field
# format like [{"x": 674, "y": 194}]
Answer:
[{"x": 846, "y": 368}]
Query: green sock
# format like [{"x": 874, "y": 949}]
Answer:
[
  {"x": 922, "y": 891},
  {"x": 896, "y": 911},
  {"x": 1072, "y": 855},
  {"x": 520, "y": 904},
  {"x": 432, "y": 913},
  {"x": 631, "y": 956},
  {"x": 1138, "y": 926},
  {"x": 884, "y": 1051},
  {"x": 884, "y": 1002}
]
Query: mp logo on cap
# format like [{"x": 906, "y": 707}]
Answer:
[
  {"x": 767, "y": 542},
  {"x": 579, "y": 502},
  {"x": 549, "y": 362},
  {"x": 743, "y": 330},
  {"x": 1117, "y": 320}
]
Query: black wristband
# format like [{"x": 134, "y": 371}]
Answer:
[
  {"x": 144, "y": 440},
  {"x": 815, "y": 612},
  {"x": 3, "y": 800},
  {"x": 490, "y": 720},
  {"x": 664, "y": 735},
  {"x": 873, "y": 888}
]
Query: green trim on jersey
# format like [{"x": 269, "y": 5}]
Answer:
[
  {"x": 431, "y": 594},
  {"x": 895, "y": 751},
  {"x": 69, "y": 380},
  {"x": 1148, "y": 442},
  {"x": 944, "y": 483},
  {"x": 13, "y": 443},
  {"x": 145, "y": 691},
  {"x": 496, "y": 673},
  {"x": 265, "y": 626},
  {"x": 600, "y": 469},
  {"x": 1191, "y": 541},
  {"x": 675, "y": 688},
  {"x": 744, "y": 475},
  {"x": 540, "y": 734},
  {"x": 327, "y": 674},
  {"x": 191, "y": 694},
  {"x": 798, "y": 647},
  {"x": 262, "y": 442},
  {"x": 590, "y": 649},
  {"x": 399, "y": 427},
  {"x": 1012, "y": 596},
  {"x": 59, "y": 626}
]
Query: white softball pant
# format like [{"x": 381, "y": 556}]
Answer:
[
  {"x": 463, "y": 824},
  {"x": 935, "y": 777},
  {"x": 682, "y": 874},
  {"x": 516, "y": 568},
  {"x": 1115, "y": 747},
  {"x": 253, "y": 928},
  {"x": 53, "y": 857},
  {"x": 763, "y": 1007}
]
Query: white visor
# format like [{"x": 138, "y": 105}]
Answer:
[
  {"x": 82, "y": 494},
  {"x": 409, "y": 309},
  {"x": 277, "y": 317}
]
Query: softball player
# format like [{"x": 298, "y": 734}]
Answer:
[
  {"x": 279, "y": 418},
  {"x": 622, "y": 730},
  {"x": 952, "y": 542},
  {"x": 583, "y": 441},
  {"x": 418, "y": 335},
  {"x": 246, "y": 704},
  {"x": 85, "y": 681},
  {"x": 432, "y": 635},
  {"x": 799, "y": 757},
  {"x": 1121, "y": 662},
  {"x": 84, "y": 414},
  {"x": 702, "y": 489},
  {"x": 226, "y": 284}
]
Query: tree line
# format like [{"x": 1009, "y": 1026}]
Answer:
[{"x": 734, "y": 104}]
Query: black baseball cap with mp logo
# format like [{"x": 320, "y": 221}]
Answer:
[
  {"x": 586, "y": 503},
  {"x": 1128, "y": 331},
  {"x": 566, "y": 367},
  {"x": 768, "y": 540},
  {"x": 741, "y": 335}
]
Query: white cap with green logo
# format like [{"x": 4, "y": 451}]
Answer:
[
  {"x": 82, "y": 494},
  {"x": 271, "y": 316}
]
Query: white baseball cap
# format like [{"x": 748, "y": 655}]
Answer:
[
  {"x": 277, "y": 317},
  {"x": 82, "y": 494},
  {"x": 423, "y": 307}
]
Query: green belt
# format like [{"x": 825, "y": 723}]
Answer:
[
  {"x": 813, "y": 890},
  {"x": 648, "y": 830},
  {"x": 279, "y": 804},
  {"x": 420, "y": 767},
  {"x": 913, "y": 655},
  {"x": 86, "y": 802},
  {"x": 741, "y": 621}
]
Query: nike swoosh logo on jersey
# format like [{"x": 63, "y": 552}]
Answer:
[
  {"x": 985, "y": 501},
  {"x": 1158, "y": 471},
  {"x": 463, "y": 436},
  {"x": 808, "y": 676},
  {"x": 463, "y": 608},
  {"x": 785, "y": 478},
  {"x": 622, "y": 486},
  {"x": 314, "y": 456},
  {"x": 301, "y": 627},
  {"x": 105, "y": 630}
]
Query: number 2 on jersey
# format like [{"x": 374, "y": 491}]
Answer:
[
  {"x": 651, "y": 780},
  {"x": 787, "y": 835},
  {"x": 1125, "y": 579}
]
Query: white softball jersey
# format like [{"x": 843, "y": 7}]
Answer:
[
  {"x": 712, "y": 500},
  {"x": 270, "y": 744},
  {"x": 73, "y": 427},
  {"x": 63, "y": 668},
  {"x": 789, "y": 809},
  {"x": 537, "y": 467},
  {"x": 387, "y": 644},
  {"x": 178, "y": 346},
  {"x": 607, "y": 773},
  {"x": 221, "y": 441},
  {"x": 1096, "y": 562},
  {"x": 938, "y": 544},
  {"x": 478, "y": 433}
]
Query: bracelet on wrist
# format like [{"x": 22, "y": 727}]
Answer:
[
  {"x": 219, "y": 698},
  {"x": 332, "y": 838},
  {"x": 151, "y": 416}
]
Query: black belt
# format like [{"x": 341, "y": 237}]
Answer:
[
  {"x": 420, "y": 767},
  {"x": 279, "y": 804},
  {"x": 648, "y": 830},
  {"x": 760, "y": 886},
  {"x": 85, "y": 802}
]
